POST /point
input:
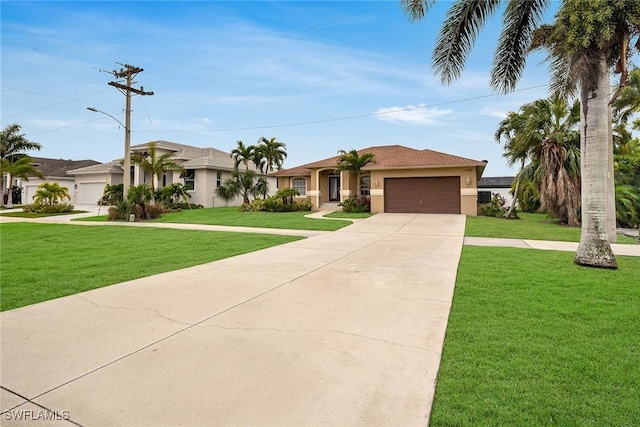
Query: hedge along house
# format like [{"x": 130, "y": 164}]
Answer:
[
  {"x": 402, "y": 180},
  {"x": 205, "y": 170}
]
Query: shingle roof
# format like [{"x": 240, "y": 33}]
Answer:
[
  {"x": 188, "y": 156},
  {"x": 59, "y": 167},
  {"x": 390, "y": 157},
  {"x": 112, "y": 166}
]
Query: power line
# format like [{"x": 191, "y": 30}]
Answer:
[
  {"x": 47, "y": 106},
  {"x": 335, "y": 119}
]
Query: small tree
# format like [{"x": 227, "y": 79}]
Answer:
[
  {"x": 139, "y": 195},
  {"x": 51, "y": 194},
  {"x": 241, "y": 183},
  {"x": 155, "y": 164},
  {"x": 353, "y": 162},
  {"x": 13, "y": 161}
]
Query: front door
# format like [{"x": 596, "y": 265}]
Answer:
[{"x": 334, "y": 188}]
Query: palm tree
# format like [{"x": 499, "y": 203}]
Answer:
[
  {"x": 354, "y": 162},
  {"x": 13, "y": 144},
  {"x": 139, "y": 195},
  {"x": 628, "y": 101},
  {"x": 517, "y": 148},
  {"x": 240, "y": 183},
  {"x": 273, "y": 152},
  {"x": 243, "y": 154},
  {"x": 51, "y": 193},
  {"x": 544, "y": 131},
  {"x": 20, "y": 168},
  {"x": 269, "y": 154},
  {"x": 580, "y": 51},
  {"x": 155, "y": 164}
]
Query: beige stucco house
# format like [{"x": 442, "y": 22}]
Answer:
[
  {"x": 206, "y": 169},
  {"x": 402, "y": 179}
]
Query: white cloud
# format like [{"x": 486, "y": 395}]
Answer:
[
  {"x": 492, "y": 112},
  {"x": 413, "y": 114}
]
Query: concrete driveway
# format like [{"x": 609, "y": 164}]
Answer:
[{"x": 344, "y": 328}]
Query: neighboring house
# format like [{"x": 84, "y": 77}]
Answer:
[
  {"x": 206, "y": 169},
  {"x": 490, "y": 185},
  {"x": 402, "y": 179},
  {"x": 53, "y": 170}
]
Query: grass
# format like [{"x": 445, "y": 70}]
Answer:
[
  {"x": 529, "y": 226},
  {"x": 233, "y": 217},
  {"x": 39, "y": 214},
  {"x": 45, "y": 261},
  {"x": 349, "y": 215},
  {"x": 533, "y": 339}
]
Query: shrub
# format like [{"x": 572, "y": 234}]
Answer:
[
  {"x": 496, "y": 208},
  {"x": 120, "y": 211},
  {"x": 358, "y": 204},
  {"x": 276, "y": 204},
  {"x": 304, "y": 205},
  {"x": 43, "y": 208},
  {"x": 287, "y": 195},
  {"x": 112, "y": 195},
  {"x": 155, "y": 211},
  {"x": 182, "y": 205}
]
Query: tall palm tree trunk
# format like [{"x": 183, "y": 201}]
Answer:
[
  {"x": 10, "y": 195},
  {"x": 594, "y": 249},
  {"x": 510, "y": 212}
]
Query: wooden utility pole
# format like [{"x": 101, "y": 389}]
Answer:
[{"x": 127, "y": 72}]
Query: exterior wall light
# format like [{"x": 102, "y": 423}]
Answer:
[{"x": 468, "y": 180}]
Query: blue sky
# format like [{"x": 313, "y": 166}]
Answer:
[{"x": 319, "y": 76}]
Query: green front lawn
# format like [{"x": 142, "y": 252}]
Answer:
[
  {"x": 349, "y": 215},
  {"x": 45, "y": 261},
  {"x": 534, "y": 340},
  {"x": 529, "y": 226},
  {"x": 233, "y": 217},
  {"x": 39, "y": 214}
]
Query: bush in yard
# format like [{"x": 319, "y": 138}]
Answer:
[
  {"x": 358, "y": 204},
  {"x": 496, "y": 208},
  {"x": 112, "y": 195},
  {"x": 304, "y": 205},
  {"x": 120, "y": 211},
  {"x": 287, "y": 195},
  {"x": 276, "y": 204},
  {"x": 155, "y": 210},
  {"x": 43, "y": 208}
]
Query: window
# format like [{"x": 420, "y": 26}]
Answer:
[
  {"x": 190, "y": 180},
  {"x": 365, "y": 185},
  {"x": 299, "y": 184},
  {"x": 218, "y": 179}
]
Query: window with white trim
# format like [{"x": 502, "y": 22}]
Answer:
[
  {"x": 299, "y": 184},
  {"x": 190, "y": 180},
  {"x": 365, "y": 185},
  {"x": 218, "y": 179}
]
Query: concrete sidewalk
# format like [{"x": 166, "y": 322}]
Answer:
[
  {"x": 344, "y": 328},
  {"x": 618, "y": 249}
]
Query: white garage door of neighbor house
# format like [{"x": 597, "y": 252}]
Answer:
[
  {"x": 90, "y": 192},
  {"x": 29, "y": 192}
]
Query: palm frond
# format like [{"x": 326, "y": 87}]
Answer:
[
  {"x": 462, "y": 25},
  {"x": 520, "y": 19},
  {"x": 416, "y": 9}
]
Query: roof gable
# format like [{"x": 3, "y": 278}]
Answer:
[
  {"x": 390, "y": 157},
  {"x": 59, "y": 167}
]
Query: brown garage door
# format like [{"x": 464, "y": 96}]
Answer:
[{"x": 422, "y": 195}]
